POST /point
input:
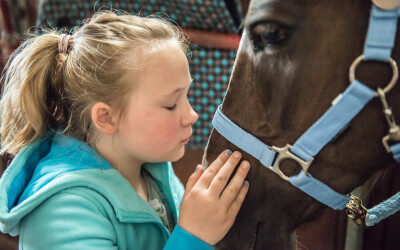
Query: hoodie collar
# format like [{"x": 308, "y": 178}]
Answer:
[{"x": 57, "y": 162}]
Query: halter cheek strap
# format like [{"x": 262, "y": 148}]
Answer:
[{"x": 333, "y": 121}]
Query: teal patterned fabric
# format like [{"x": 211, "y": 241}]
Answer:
[
  {"x": 210, "y": 67},
  {"x": 198, "y": 14}
]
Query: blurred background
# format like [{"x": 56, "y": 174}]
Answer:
[{"x": 214, "y": 27}]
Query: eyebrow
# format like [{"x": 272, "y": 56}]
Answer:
[{"x": 176, "y": 90}]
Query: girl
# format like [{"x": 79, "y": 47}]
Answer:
[{"x": 94, "y": 120}]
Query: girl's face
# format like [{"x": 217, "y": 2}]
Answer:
[{"x": 158, "y": 119}]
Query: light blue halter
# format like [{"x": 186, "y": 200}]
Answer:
[{"x": 378, "y": 46}]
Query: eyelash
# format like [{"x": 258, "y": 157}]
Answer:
[{"x": 171, "y": 108}]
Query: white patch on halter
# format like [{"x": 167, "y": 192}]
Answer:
[{"x": 387, "y": 4}]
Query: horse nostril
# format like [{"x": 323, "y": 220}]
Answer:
[{"x": 289, "y": 167}]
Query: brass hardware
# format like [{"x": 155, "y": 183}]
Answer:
[
  {"x": 394, "y": 128},
  {"x": 392, "y": 81},
  {"x": 356, "y": 211},
  {"x": 284, "y": 153}
]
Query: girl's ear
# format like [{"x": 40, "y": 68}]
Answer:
[{"x": 104, "y": 118}]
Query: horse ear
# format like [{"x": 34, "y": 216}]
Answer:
[{"x": 387, "y": 4}]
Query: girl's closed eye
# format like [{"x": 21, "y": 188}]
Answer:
[{"x": 171, "y": 108}]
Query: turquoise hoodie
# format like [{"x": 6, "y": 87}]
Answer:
[{"x": 58, "y": 193}]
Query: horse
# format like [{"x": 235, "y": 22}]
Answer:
[{"x": 293, "y": 60}]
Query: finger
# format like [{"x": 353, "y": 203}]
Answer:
[
  {"x": 194, "y": 178},
  {"x": 236, "y": 183},
  {"x": 221, "y": 179},
  {"x": 237, "y": 203},
  {"x": 213, "y": 169}
]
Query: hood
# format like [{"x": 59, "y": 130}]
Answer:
[{"x": 56, "y": 162}]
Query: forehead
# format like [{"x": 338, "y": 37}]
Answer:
[{"x": 162, "y": 70}]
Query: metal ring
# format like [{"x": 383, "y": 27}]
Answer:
[
  {"x": 285, "y": 153},
  {"x": 392, "y": 81}
]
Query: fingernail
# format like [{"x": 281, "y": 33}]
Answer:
[
  {"x": 237, "y": 154},
  {"x": 197, "y": 167},
  {"x": 246, "y": 183},
  {"x": 245, "y": 165},
  {"x": 228, "y": 152}
]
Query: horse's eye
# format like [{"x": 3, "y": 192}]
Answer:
[{"x": 268, "y": 34}]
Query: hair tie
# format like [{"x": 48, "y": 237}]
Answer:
[{"x": 63, "y": 42}]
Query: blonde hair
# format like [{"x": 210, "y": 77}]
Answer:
[{"x": 47, "y": 90}]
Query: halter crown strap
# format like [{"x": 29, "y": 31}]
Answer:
[
  {"x": 379, "y": 43},
  {"x": 381, "y": 34}
]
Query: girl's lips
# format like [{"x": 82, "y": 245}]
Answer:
[{"x": 186, "y": 141}]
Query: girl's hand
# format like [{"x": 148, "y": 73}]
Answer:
[{"x": 208, "y": 209}]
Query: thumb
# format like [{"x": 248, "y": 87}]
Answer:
[{"x": 194, "y": 178}]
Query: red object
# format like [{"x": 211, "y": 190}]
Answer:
[{"x": 213, "y": 39}]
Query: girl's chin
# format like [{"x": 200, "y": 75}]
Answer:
[{"x": 179, "y": 154}]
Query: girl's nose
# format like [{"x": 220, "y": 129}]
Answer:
[{"x": 190, "y": 117}]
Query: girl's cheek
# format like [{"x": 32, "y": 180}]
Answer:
[{"x": 169, "y": 129}]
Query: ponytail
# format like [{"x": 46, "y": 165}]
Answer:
[{"x": 32, "y": 90}]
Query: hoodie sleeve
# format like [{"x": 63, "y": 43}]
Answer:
[
  {"x": 183, "y": 240},
  {"x": 67, "y": 221}
]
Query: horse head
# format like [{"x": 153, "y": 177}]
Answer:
[{"x": 293, "y": 60}]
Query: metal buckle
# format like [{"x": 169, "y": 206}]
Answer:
[
  {"x": 356, "y": 211},
  {"x": 394, "y": 129},
  {"x": 392, "y": 81},
  {"x": 284, "y": 153}
]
